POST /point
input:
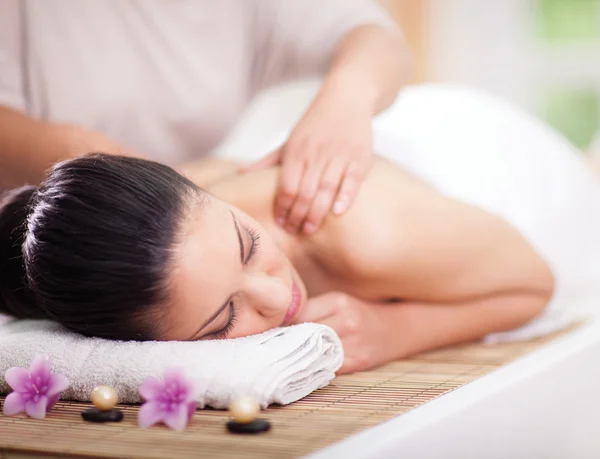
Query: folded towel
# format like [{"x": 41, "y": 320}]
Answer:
[{"x": 280, "y": 366}]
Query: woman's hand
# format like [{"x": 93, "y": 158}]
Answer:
[
  {"x": 362, "y": 327},
  {"x": 323, "y": 163},
  {"x": 328, "y": 154}
]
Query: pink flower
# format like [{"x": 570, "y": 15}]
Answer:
[
  {"x": 171, "y": 400},
  {"x": 35, "y": 390}
]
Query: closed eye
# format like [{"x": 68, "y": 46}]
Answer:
[
  {"x": 255, "y": 244},
  {"x": 255, "y": 237},
  {"x": 224, "y": 332}
]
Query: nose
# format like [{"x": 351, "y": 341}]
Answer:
[{"x": 268, "y": 295}]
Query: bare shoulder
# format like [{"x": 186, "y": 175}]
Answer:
[
  {"x": 208, "y": 171},
  {"x": 375, "y": 227},
  {"x": 412, "y": 240}
]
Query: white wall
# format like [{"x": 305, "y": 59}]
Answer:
[{"x": 492, "y": 44}]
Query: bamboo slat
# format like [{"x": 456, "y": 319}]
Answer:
[{"x": 348, "y": 405}]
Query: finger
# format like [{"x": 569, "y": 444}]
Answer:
[
  {"x": 305, "y": 197},
  {"x": 290, "y": 179},
  {"x": 271, "y": 160},
  {"x": 346, "y": 367},
  {"x": 351, "y": 182},
  {"x": 328, "y": 187},
  {"x": 328, "y": 309},
  {"x": 316, "y": 309},
  {"x": 335, "y": 321},
  {"x": 350, "y": 365}
]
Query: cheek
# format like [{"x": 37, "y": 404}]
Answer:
[
  {"x": 248, "y": 322},
  {"x": 273, "y": 261}
]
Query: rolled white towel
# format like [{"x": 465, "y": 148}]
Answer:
[{"x": 279, "y": 366}]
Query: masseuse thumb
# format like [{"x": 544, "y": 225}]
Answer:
[{"x": 271, "y": 160}]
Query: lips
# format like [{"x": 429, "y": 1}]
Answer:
[{"x": 294, "y": 305}]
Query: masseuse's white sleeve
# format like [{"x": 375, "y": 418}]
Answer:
[
  {"x": 296, "y": 39},
  {"x": 12, "y": 74}
]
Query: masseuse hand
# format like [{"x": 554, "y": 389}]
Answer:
[
  {"x": 323, "y": 163},
  {"x": 360, "y": 325}
]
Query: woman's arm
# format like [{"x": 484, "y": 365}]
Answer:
[
  {"x": 418, "y": 327},
  {"x": 28, "y": 146},
  {"x": 417, "y": 244},
  {"x": 461, "y": 272},
  {"x": 374, "y": 333}
]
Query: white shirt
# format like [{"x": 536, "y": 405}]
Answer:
[{"x": 164, "y": 78}]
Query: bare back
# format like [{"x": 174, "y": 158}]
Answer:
[{"x": 400, "y": 240}]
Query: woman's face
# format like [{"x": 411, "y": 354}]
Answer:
[{"x": 230, "y": 278}]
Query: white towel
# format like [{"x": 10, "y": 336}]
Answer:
[{"x": 279, "y": 366}]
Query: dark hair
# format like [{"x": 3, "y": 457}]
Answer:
[{"x": 92, "y": 247}]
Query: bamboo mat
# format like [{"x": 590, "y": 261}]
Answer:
[{"x": 348, "y": 405}]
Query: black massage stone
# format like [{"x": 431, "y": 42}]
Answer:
[
  {"x": 252, "y": 427},
  {"x": 95, "y": 415}
]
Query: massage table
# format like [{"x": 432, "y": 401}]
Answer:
[{"x": 530, "y": 399}]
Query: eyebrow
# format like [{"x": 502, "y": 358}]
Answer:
[{"x": 224, "y": 305}]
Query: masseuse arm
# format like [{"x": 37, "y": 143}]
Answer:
[
  {"x": 28, "y": 146},
  {"x": 328, "y": 152}
]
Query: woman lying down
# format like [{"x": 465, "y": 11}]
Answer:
[{"x": 482, "y": 224}]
